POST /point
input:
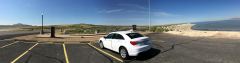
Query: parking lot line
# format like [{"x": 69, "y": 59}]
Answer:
[
  {"x": 119, "y": 59},
  {"x": 24, "y": 53},
  {"x": 65, "y": 53},
  {"x": 9, "y": 44}
]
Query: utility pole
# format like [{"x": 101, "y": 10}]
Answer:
[
  {"x": 42, "y": 32},
  {"x": 149, "y": 14}
]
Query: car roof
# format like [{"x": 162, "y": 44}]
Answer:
[{"x": 123, "y": 32}]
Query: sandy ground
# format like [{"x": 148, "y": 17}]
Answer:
[
  {"x": 10, "y": 29},
  {"x": 212, "y": 34},
  {"x": 64, "y": 38},
  {"x": 59, "y": 38},
  {"x": 196, "y": 33},
  {"x": 6, "y": 29}
]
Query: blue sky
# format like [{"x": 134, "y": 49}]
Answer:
[{"x": 115, "y": 12}]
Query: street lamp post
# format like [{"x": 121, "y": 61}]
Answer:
[
  {"x": 42, "y": 32},
  {"x": 149, "y": 14}
]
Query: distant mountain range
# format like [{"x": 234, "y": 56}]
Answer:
[
  {"x": 221, "y": 25},
  {"x": 14, "y": 26},
  {"x": 18, "y": 24}
]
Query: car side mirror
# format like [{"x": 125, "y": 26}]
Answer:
[{"x": 105, "y": 37}]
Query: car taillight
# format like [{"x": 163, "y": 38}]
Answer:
[{"x": 133, "y": 42}]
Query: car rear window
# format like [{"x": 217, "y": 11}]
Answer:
[{"x": 134, "y": 35}]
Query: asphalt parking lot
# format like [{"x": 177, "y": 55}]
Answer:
[
  {"x": 169, "y": 48},
  {"x": 166, "y": 49},
  {"x": 22, "y": 52},
  {"x": 30, "y": 52},
  {"x": 12, "y": 51}
]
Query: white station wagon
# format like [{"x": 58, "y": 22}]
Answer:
[{"x": 127, "y": 43}]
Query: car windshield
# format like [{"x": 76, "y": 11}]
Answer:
[{"x": 134, "y": 35}]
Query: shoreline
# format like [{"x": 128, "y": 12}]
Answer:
[
  {"x": 186, "y": 30},
  {"x": 210, "y": 34}
]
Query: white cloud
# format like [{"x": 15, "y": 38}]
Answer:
[
  {"x": 133, "y": 6},
  {"x": 127, "y": 8},
  {"x": 114, "y": 10},
  {"x": 111, "y": 11},
  {"x": 163, "y": 14}
]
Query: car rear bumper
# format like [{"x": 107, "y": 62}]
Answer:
[{"x": 137, "y": 50}]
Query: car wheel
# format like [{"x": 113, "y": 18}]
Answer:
[
  {"x": 101, "y": 45},
  {"x": 124, "y": 53}
]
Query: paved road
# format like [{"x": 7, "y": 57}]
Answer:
[
  {"x": 167, "y": 48},
  {"x": 82, "y": 53},
  {"x": 44, "y": 53},
  {"x": 5, "y": 34},
  {"x": 5, "y": 42},
  {"x": 180, "y": 49},
  {"x": 9, "y": 53},
  {"x": 51, "y": 53}
]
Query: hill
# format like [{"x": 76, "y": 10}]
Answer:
[{"x": 18, "y": 25}]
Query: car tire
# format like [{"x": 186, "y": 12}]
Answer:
[
  {"x": 123, "y": 53},
  {"x": 101, "y": 45}
]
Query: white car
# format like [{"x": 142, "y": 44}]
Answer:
[{"x": 127, "y": 43}]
